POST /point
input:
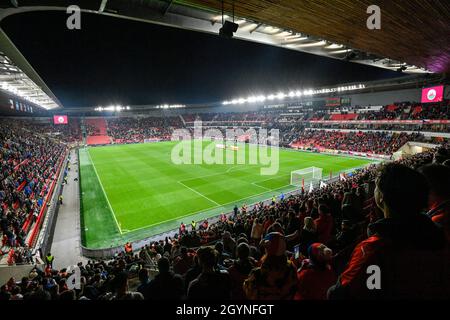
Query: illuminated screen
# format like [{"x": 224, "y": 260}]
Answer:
[
  {"x": 60, "y": 120},
  {"x": 332, "y": 102},
  {"x": 432, "y": 94}
]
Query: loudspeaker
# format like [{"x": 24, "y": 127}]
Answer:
[{"x": 228, "y": 29}]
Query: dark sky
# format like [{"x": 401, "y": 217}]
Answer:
[{"x": 120, "y": 61}]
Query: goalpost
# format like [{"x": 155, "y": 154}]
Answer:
[{"x": 306, "y": 175}]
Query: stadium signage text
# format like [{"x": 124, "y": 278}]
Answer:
[{"x": 232, "y": 309}]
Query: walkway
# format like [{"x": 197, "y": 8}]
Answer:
[{"x": 66, "y": 239}]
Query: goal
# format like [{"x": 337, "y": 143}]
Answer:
[{"x": 307, "y": 175}]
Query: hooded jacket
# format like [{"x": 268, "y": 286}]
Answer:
[{"x": 412, "y": 258}]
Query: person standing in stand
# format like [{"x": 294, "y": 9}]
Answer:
[{"x": 49, "y": 260}]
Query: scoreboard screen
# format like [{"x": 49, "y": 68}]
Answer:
[
  {"x": 432, "y": 94},
  {"x": 60, "y": 120}
]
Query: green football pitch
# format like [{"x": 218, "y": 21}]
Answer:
[{"x": 129, "y": 192}]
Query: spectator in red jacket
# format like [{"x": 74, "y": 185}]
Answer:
[
  {"x": 315, "y": 276},
  {"x": 324, "y": 224},
  {"x": 404, "y": 256},
  {"x": 438, "y": 177}
]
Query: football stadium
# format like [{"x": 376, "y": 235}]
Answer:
[
  {"x": 205, "y": 190},
  {"x": 214, "y": 151}
]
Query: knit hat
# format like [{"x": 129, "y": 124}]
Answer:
[
  {"x": 275, "y": 244},
  {"x": 319, "y": 253}
]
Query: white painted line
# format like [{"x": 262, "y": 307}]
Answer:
[
  {"x": 257, "y": 185},
  {"x": 339, "y": 159},
  {"x": 199, "y": 193},
  {"x": 104, "y": 192},
  {"x": 207, "y": 209}
]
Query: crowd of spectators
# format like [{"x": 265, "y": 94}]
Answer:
[
  {"x": 395, "y": 111},
  {"x": 304, "y": 246},
  {"x": 423, "y": 127},
  {"x": 372, "y": 142},
  {"x": 91, "y": 130},
  {"x": 130, "y": 129},
  {"x": 70, "y": 133},
  {"x": 312, "y": 245},
  {"x": 28, "y": 163}
]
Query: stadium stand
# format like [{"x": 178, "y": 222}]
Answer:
[
  {"x": 346, "y": 116},
  {"x": 98, "y": 140},
  {"x": 30, "y": 161},
  {"x": 248, "y": 254},
  {"x": 96, "y": 126},
  {"x": 132, "y": 130},
  {"x": 365, "y": 142},
  {"x": 96, "y": 129},
  {"x": 374, "y": 212}
]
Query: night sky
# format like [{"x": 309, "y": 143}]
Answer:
[{"x": 124, "y": 62}]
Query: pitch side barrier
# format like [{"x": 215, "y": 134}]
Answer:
[
  {"x": 343, "y": 153},
  {"x": 110, "y": 252}
]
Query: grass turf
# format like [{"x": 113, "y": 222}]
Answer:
[{"x": 129, "y": 192}]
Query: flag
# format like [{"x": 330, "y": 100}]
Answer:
[
  {"x": 322, "y": 184},
  {"x": 311, "y": 188}
]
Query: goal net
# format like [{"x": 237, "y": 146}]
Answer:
[{"x": 307, "y": 175}]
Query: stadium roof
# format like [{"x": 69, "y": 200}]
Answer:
[
  {"x": 18, "y": 78},
  {"x": 415, "y": 32},
  {"x": 413, "y": 35},
  {"x": 400, "y": 83}
]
